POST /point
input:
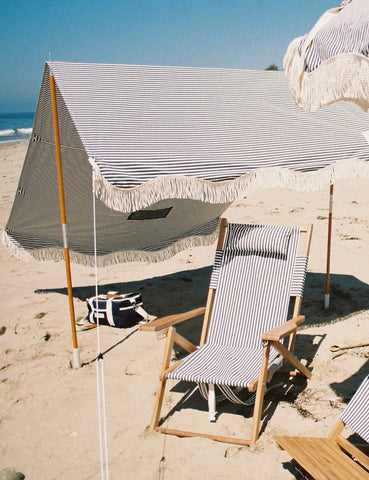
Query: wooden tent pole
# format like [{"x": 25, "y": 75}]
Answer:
[
  {"x": 327, "y": 280},
  {"x": 76, "y": 359}
]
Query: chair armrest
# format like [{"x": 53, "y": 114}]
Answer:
[
  {"x": 277, "y": 333},
  {"x": 168, "y": 321}
]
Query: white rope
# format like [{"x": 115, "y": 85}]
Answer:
[{"x": 100, "y": 381}]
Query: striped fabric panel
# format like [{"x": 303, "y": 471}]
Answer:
[
  {"x": 260, "y": 239},
  {"x": 356, "y": 414},
  {"x": 141, "y": 122},
  {"x": 346, "y": 32},
  {"x": 253, "y": 291},
  {"x": 198, "y": 231},
  {"x": 298, "y": 279},
  {"x": 221, "y": 365},
  {"x": 252, "y": 297},
  {"x": 299, "y": 276},
  {"x": 216, "y": 269}
]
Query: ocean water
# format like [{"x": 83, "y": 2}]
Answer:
[{"x": 15, "y": 126}]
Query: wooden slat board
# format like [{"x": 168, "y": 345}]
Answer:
[{"x": 322, "y": 459}]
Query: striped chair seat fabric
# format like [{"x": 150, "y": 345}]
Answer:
[
  {"x": 356, "y": 414},
  {"x": 254, "y": 276}
]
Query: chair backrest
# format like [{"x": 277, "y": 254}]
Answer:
[
  {"x": 254, "y": 276},
  {"x": 356, "y": 414}
]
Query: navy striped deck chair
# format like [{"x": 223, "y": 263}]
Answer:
[
  {"x": 335, "y": 457},
  {"x": 256, "y": 272}
]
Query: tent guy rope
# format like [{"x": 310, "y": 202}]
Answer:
[{"x": 100, "y": 379}]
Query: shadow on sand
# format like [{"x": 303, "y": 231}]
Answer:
[{"x": 182, "y": 291}]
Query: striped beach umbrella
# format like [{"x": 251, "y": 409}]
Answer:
[{"x": 330, "y": 64}]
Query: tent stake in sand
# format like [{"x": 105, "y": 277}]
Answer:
[{"x": 76, "y": 358}]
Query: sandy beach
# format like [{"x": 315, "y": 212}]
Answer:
[{"x": 49, "y": 423}]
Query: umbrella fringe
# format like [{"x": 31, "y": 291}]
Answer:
[
  {"x": 215, "y": 192},
  {"x": 343, "y": 77}
]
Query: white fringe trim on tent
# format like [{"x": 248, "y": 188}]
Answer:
[
  {"x": 188, "y": 187},
  {"x": 166, "y": 187},
  {"x": 343, "y": 77},
  {"x": 15, "y": 249},
  {"x": 57, "y": 254}
]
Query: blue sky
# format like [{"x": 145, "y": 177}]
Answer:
[{"x": 201, "y": 33}]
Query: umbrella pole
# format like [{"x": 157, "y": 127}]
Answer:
[
  {"x": 327, "y": 294},
  {"x": 76, "y": 359}
]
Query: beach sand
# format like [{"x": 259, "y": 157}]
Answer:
[{"x": 49, "y": 421}]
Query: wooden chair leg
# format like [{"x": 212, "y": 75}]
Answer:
[
  {"x": 291, "y": 343},
  {"x": 159, "y": 396},
  {"x": 335, "y": 432},
  {"x": 162, "y": 379},
  {"x": 291, "y": 358},
  {"x": 260, "y": 394}
]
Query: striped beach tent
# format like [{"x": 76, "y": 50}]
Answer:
[{"x": 164, "y": 151}]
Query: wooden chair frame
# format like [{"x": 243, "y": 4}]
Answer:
[
  {"x": 270, "y": 338},
  {"x": 330, "y": 458}
]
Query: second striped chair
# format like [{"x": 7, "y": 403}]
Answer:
[{"x": 336, "y": 457}]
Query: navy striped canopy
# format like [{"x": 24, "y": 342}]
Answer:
[
  {"x": 330, "y": 63},
  {"x": 164, "y": 151}
]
